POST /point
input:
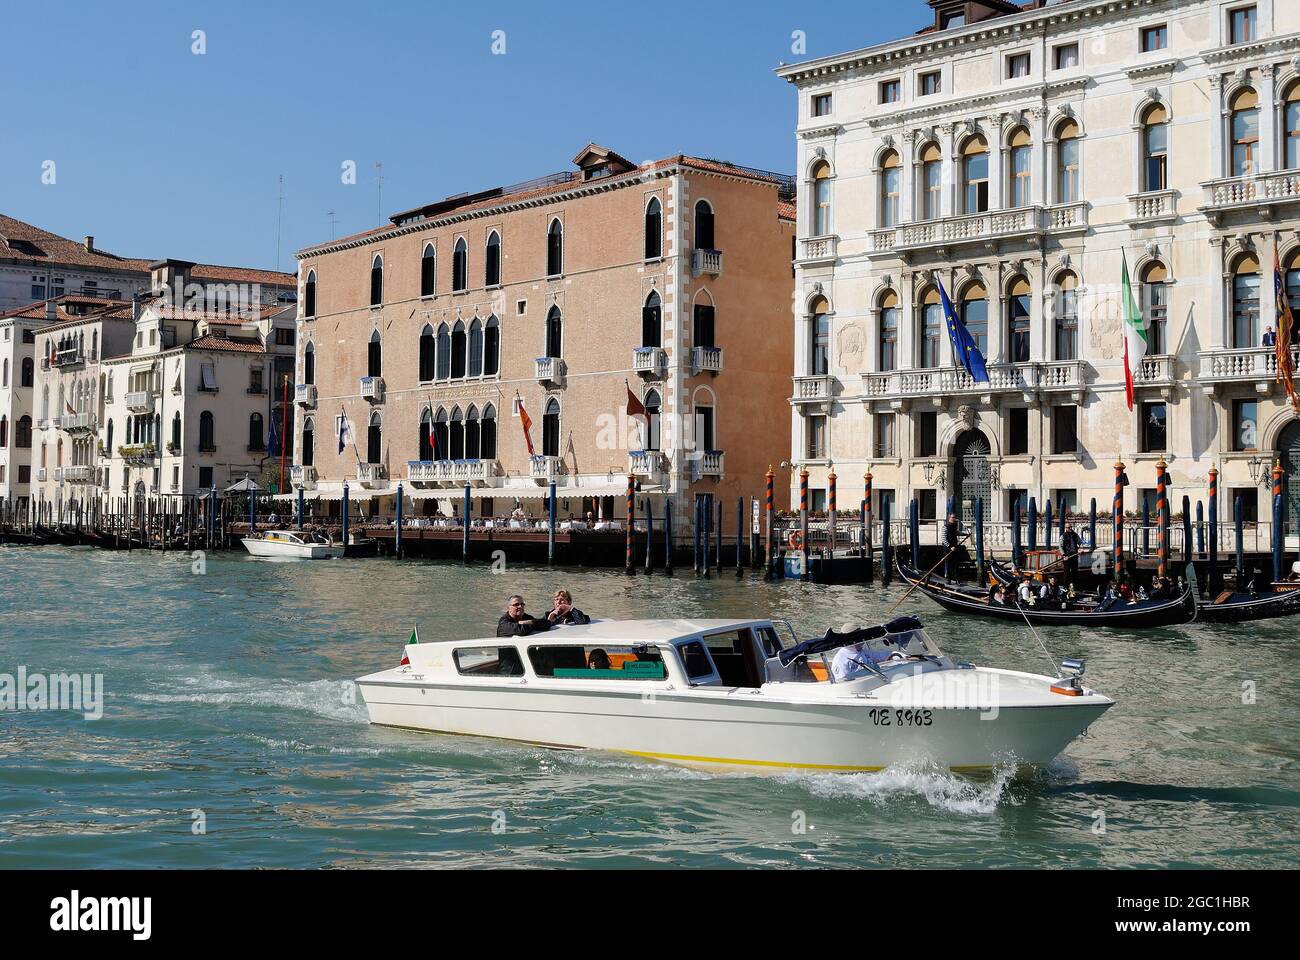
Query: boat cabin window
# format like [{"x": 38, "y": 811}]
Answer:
[
  {"x": 770, "y": 641},
  {"x": 489, "y": 662},
  {"x": 696, "y": 661},
  {"x": 598, "y": 662},
  {"x": 735, "y": 657}
]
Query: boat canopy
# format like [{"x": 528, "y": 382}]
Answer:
[{"x": 898, "y": 632}]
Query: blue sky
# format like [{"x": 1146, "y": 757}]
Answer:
[{"x": 161, "y": 152}]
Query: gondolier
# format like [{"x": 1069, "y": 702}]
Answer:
[{"x": 1070, "y": 550}]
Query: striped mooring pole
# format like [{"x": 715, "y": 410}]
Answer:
[
  {"x": 1162, "y": 521},
  {"x": 1117, "y": 513},
  {"x": 630, "y": 565},
  {"x": 769, "y": 563}
]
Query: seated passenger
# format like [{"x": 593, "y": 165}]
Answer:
[
  {"x": 515, "y": 623},
  {"x": 599, "y": 660},
  {"x": 565, "y": 611}
]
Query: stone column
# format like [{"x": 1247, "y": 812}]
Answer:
[
  {"x": 1219, "y": 120},
  {"x": 907, "y": 178},
  {"x": 1268, "y": 110}
]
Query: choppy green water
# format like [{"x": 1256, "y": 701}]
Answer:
[{"x": 227, "y": 693}]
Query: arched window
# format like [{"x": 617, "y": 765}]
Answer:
[
  {"x": 472, "y": 447},
  {"x": 444, "y": 352},
  {"x": 23, "y": 432},
  {"x": 375, "y": 356},
  {"x": 475, "y": 349},
  {"x": 931, "y": 182},
  {"x": 931, "y": 328},
  {"x": 427, "y": 354},
  {"x": 551, "y": 429},
  {"x": 652, "y": 321},
  {"x": 554, "y": 332},
  {"x": 4, "y": 380},
  {"x": 309, "y": 363},
  {"x": 4, "y": 431},
  {"x": 653, "y": 411},
  {"x": 1021, "y": 168},
  {"x": 108, "y": 445},
  {"x": 255, "y": 441},
  {"x": 821, "y": 205},
  {"x": 428, "y": 271},
  {"x": 975, "y": 315},
  {"x": 457, "y": 438},
  {"x": 377, "y": 281},
  {"x": 1018, "y": 321},
  {"x": 308, "y": 442},
  {"x": 704, "y": 327},
  {"x": 176, "y": 431},
  {"x": 1245, "y": 303},
  {"x": 207, "y": 432},
  {"x": 975, "y": 176},
  {"x": 458, "y": 350},
  {"x": 891, "y": 170},
  {"x": 440, "y": 435},
  {"x": 819, "y": 329},
  {"x": 1155, "y": 149},
  {"x": 309, "y": 295},
  {"x": 654, "y": 229},
  {"x": 1244, "y": 133},
  {"x": 554, "y": 249},
  {"x": 1067, "y": 317},
  {"x": 704, "y": 238},
  {"x": 45, "y": 402},
  {"x": 1291, "y": 128},
  {"x": 459, "y": 265},
  {"x": 28, "y": 372},
  {"x": 374, "y": 439},
  {"x": 488, "y": 433},
  {"x": 887, "y": 349},
  {"x": 426, "y": 436},
  {"x": 492, "y": 260},
  {"x": 1155, "y": 295},
  {"x": 1067, "y": 162},
  {"x": 94, "y": 345},
  {"x": 492, "y": 347}
]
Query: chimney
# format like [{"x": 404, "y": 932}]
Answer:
[
  {"x": 89, "y": 244},
  {"x": 51, "y": 310},
  {"x": 170, "y": 276}
]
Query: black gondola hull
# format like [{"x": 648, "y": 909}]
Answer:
[{"x": 1245, "y": 608}]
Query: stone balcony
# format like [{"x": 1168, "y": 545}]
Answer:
[
  {"x": 650, "y": 362},
  {"x": 813, "y": 390},
  {"x": 140, "y": 401},
  {"x": 72, "y": 357},
  {"x": 41, "y": 474},
  {"x": 648, "y": 464},
  {"x": 708, "y": 464},
  {"x": 936, "y": 237},
  {"x": 1156, "y": 371},
  {"x": 77, "y": 422},
  {"x": 1253, "y": 365},
  {"x": 814, "y": 251},
  {"x": 706, "y": 360},
  {"x": 372, "y": 389},
  {"x": 1152, "y": 208},
  {"x": 372, "y": 475},
  {"x": 545, "y": 469},
  {"x": 82, "y": 473},
  {"x": 706, "y": 261},
  {"x": 550, "y": 370},
  {"x": 303, "y": 476},
  {"x": 1259, "y": 192},
  {"x": 940, "y": 382},
  {"x": 453, "y": 473},
  {"x": 304, "y": 394},
  {"x": 137, "y": 452}
]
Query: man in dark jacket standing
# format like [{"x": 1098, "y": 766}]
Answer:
[
  {"x": 1070, "y": 550},
  {"x": 515, "y": 623}
]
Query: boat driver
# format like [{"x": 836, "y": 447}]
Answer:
[{"x": 516, "y": 623}]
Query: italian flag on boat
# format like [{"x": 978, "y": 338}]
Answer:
[
  {"x": 415, "y": 638},
  {"x": 1135, "y": 333}
]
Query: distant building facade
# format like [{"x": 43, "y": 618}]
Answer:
[{"x": 1015, "y": 155}]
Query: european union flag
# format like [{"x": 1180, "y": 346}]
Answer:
[{"x": 963, "y": 344}]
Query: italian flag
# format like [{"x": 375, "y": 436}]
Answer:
[
  {"x": 1135, "y": 333},
  {"x": 415, "y": 638}
]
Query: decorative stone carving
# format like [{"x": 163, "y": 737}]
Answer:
[
  {"x": 1154, "y": 94},
  {"x": 851, "y": 346},
  {"x": 966, "y": 416},
  {"x": 1104, "y": 326},
  {"x": 819, "y": 153}
]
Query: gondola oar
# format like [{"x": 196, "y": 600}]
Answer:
[{"x": 951, "y": 550}]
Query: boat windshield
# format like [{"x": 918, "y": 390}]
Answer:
[{"x": 873, "y": 655}]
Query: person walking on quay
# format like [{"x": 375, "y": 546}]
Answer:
[
  {"x": 1070, "y": 549},
  {"x": 516, "y": 623}
]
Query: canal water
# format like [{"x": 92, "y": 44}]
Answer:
[{"x": 230, "y": 736}]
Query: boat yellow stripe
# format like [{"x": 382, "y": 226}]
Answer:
[{"x": 686, "y": 758}]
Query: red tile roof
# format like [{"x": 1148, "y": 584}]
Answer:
[
  {"x": 39, "y": 311},
  {"x": 787, "y": 211},
  {"x": 221, "y": 343}
]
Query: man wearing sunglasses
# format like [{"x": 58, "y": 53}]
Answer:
[{"x": 516, "y": 623}]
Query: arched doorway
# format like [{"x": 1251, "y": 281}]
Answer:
[
  {"x": 1288, "y": 448},
  {"x": 972, "y": 478}
]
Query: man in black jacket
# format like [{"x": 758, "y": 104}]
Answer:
[
  {"x": 1070, "y": 548},
  {"x": 515, "y": 623}
]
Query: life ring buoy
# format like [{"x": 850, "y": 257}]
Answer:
[{"x": 795, "y": 540}]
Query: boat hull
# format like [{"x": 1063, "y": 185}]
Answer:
[
  {"x": 292, "y": 551},
  {"x": 1245, "y": 608},
  {"x": 740, "y": 730}
]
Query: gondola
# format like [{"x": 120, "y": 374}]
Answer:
[
  {"x": 1126, "y": 616},
  {"x": 1233, "y": 607}
]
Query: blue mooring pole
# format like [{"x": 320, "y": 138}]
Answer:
[
  {"x": 886, "y": 552},
  {"x": 914, "y": 532},
  {"x": 695, "y": 556},
  {"x": 301, "y": 497},
  {"x": 1200, "y": 528},
  {"x": 979, "y": 538},
  {"x": 649, "y": 536},
  {"x": 1047, "y": 523},
  {"x": 1033, "y": 524},
  {"x": 344, "y": 511},
  {"x": 1279, "y": 533},
  {"x": 1187, "y": 529},
  {"x": 1241, "y": 561},
  {"x": 1015, "y": 534},
  {"x": 668, "y": 536},
  {"x": 740, "y": 533},
  {"x": 1092, "y": 524},
  {"x": 550, "y": 527},
  {"x": 397, "y": 526},
  {"x": 464, "y": 516},
  {"x": 212, "y": 515}
]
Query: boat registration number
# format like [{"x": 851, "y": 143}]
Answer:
[{"x": 901, "y": 718}]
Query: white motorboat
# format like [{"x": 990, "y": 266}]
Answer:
[
  {"x": 728, "y": 694},
  {"x": 292, "y": 545}
]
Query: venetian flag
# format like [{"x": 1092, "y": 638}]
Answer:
[
  {"x": 526, "y": 422},
  {"x": 1135, "y": 331},
  {"x": 1285, "y": 321}
]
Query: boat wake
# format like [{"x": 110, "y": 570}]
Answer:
[
  {"x": 332, "y": 699},
  {"x": 941, "y": 789}
]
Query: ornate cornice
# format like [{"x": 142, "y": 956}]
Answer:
[
  {"x": 1283, "y": 46},
  {"x": 1151, "y": 71},
  {"x": 824, "y": 130}
]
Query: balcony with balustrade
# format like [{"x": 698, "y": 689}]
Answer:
[
  {"x": 1233, "y": 367},
  {"x": 80, "y": 473},
  {"x": 1062, "y": 376},
  {"x": 372, "y": 389},
  {"x": 649, "y": 362},
  {"x": 545, "y": 469},
  {"x": 708, "y": 465},
  {"x": 372, "y": 475},
  {"x": 649, "y": 465},
  {"x": 139, "y": 401},
  {"x": 303, "y": 476},
  {"x": 1152, "y": 208},
  {"x": 818, "y": 251},
  {"x": 1260, "y": 192},
  {"x": 304, "y": 394},
  {"x": 940, "y": 382},
  {"x": 77, "y": 422},
  {"x": 137, "y": 452},
  {"x": 706, "y": 360},
  {"x": 813, "y": 390},
  {"x": 550, "y": 371},
  {"x": 1156, "y": 371},
  {"x": 707, "y": 261},
  {"x": 1020, "y": 224}
]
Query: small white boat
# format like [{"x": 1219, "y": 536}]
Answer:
[
  {"x": 292, "y": 545},
  {"x": 728, "y": 694}
]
